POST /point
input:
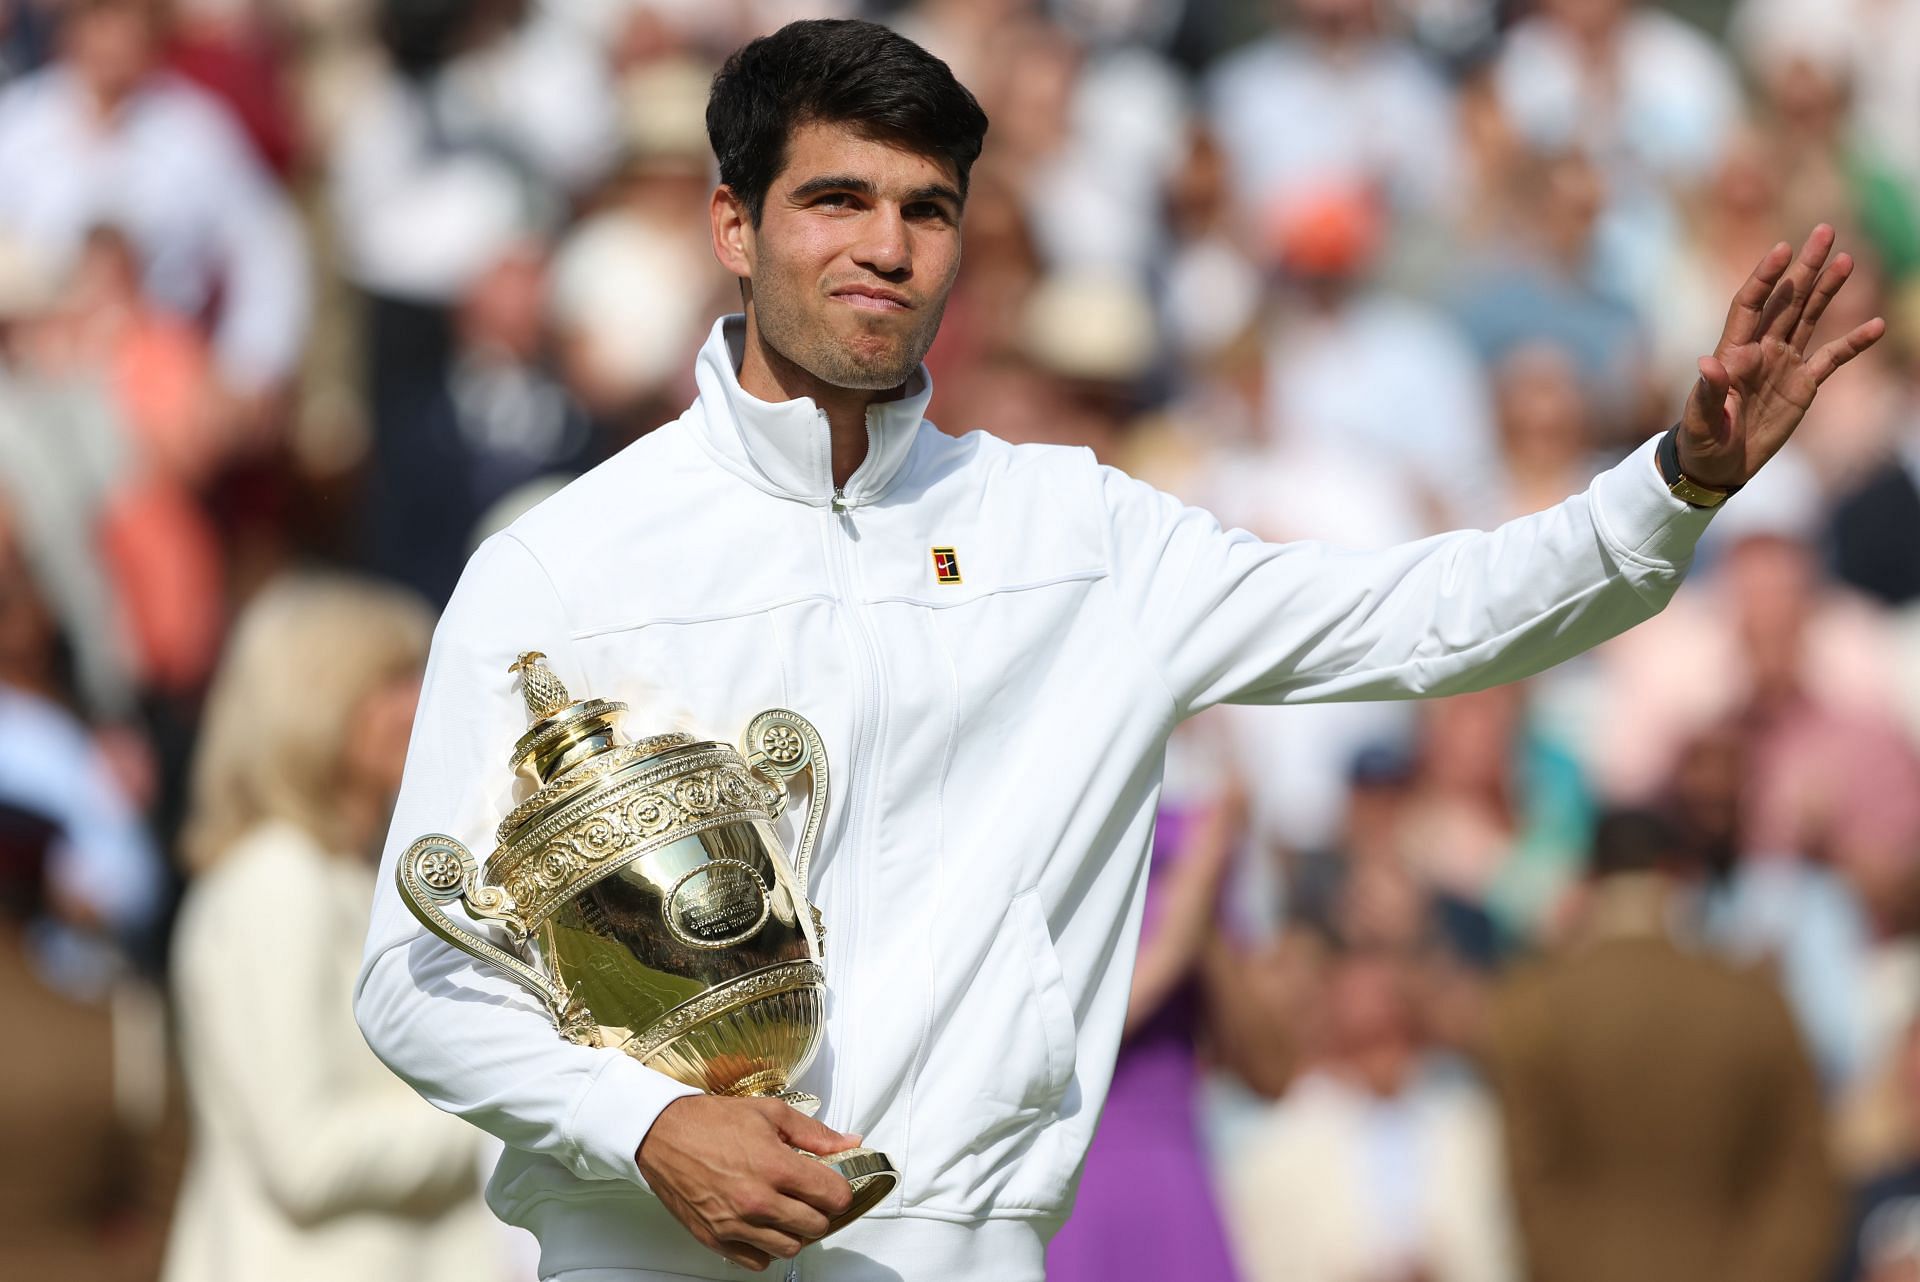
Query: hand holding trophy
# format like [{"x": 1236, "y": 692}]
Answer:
[{"x": 650, "y": 903}]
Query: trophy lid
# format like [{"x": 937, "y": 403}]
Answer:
[
  {"x": 565, "y": 734},
  {"x": 562, "y": 731}
]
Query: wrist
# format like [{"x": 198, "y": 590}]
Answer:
[{"x": 1683, "y": 484}]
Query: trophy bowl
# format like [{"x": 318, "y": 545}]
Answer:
[{"x": 650, "y": 903}]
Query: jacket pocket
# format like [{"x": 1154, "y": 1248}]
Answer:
[
  {"x": 996, "y": 1076},
  {"x": 1051, "y": 1006}
]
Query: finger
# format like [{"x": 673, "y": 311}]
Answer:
[
  {"x": 1744, "y": 315},
  {"x": 1790, "y": 298},
  {"x": 1830, "y": 282},
  {"x": 816, "y": 1184},
  {"x": 1841, "y": 350},
  {"x": 770, "y": 1243},
  {"x": 803, "y": 1132},
  {"x": 746, "y": 1257},
  {"x": 1710, "y": 394},
  {"x": 791, "y": 1216}
]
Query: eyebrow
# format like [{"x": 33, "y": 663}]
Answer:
[{"x": 847, "y": 182}]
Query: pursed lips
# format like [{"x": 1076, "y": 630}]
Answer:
[{"x": 868, "y": 298}]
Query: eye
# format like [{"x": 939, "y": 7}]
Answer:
[
  {"x": 834, "y": 200},
  {"x": 927, "y": 209}
]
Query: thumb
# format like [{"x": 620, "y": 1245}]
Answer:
[
  {"x": 1710, "y": 397},
  {"x": 803, "y": 1132}
]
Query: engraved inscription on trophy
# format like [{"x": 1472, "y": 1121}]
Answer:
[{"x": 717, "y": 904}]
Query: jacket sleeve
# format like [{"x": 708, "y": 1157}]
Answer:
[
  {"x": 1227, "y": 618},
  {"x": 463, "y": 1034}
]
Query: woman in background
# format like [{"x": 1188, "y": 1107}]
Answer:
[{"x": 309, "y": 1159}]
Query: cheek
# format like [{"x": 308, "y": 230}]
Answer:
[{"x": 803, "y": 253}]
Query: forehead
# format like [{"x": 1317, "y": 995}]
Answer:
[{"x": 822, "y": 148}]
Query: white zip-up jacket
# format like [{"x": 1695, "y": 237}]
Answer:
[{"x": 996, "y": 743}]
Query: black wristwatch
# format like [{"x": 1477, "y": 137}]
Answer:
[{"x": 1666, "y": 456}]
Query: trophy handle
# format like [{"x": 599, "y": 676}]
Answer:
[
  {"x": 438, "y": 870},
  {"x": 779, "y": 745}
]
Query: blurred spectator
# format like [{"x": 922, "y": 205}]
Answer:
[
  {"x": 82, "y": 888},
  {"x": 1805, "y": 74},
  {"x": 1092, "y": 136},
  {"x": 1662, "y": 1120},
  {"x": 1369, "y": 370},
  {"x": 308, "y": 1159},
  {"x": 78, "y": 863},
  {"x": 486, "y": 120},
  {"x": 1539, "y": 276},
  {"x": 1546, "y": 428},
  {"x": 104, "y": 136},
  {"x": 1335, "y": 101},
  {"x": 231, "y": 49},
  {"x": 157, "y": 540},
  {"x": 1500, "y": 810},
  {"x": 62, "y": 454},
  {"x": 1642, "y": 91},
  {"x": 634, "y": 283},
  {"x": 489, "y": 417},
  {"x": 1880, "y": 40},
  {"x": 1379, "y": 1165},
  {"x": 1872, "y": 528}
]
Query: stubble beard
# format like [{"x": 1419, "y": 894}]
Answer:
[{"x": 810, "y": 343}]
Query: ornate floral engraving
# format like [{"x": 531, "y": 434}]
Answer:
[
  {"x": 782, "y": 744},
  {"x": 563, "y": 852},
  {"x": 440, "y": 870}
]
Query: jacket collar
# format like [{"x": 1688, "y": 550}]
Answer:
[{"x": 785, "y": 447}]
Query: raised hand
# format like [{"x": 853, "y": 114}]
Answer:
[
  {"x": 726, "y": 1168},
  {"x": 1756, "y": 387}
]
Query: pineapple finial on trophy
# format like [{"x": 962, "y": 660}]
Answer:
[{"x": 544, "y": 692}]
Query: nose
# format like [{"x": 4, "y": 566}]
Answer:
[{"x": 885, "y": 248}]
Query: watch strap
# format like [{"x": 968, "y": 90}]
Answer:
[{"x": 1666, "y": 457}]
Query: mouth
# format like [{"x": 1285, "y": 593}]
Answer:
[{"x": 872, "y": 298}]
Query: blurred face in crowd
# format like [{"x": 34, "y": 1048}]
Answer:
[
  {"x": 1337, "y": 19},
  {"x": 111, "y": 45},
  {"x": 857, "y": 248},
  {"x": 375, "y": 752},
  {"x": 1772, "y": 580},
  {"x": 504, "y": 310},
  {"x": 1588, "y": 19},
  {"x": 1372, "y": 1027},
  {"x": 1542, "y": 408}
]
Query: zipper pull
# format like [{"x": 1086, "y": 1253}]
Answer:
[{"x": 839, "y": 502}]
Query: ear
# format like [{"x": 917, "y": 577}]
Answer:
[{"x": 732, "y": 232}]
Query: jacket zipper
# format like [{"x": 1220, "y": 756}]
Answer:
[{"x": 866, "y": 730}]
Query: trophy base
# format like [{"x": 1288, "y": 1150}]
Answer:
[{"x": 871, "y": 1175}]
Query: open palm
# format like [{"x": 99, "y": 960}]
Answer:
[{"x": 1756, "y": 387}]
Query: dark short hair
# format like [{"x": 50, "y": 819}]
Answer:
[{"x": 837, "y": 71}]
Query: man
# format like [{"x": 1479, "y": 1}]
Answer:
[
  {"x": 1673, "y": 1129},
  {"x": 995, "y": 643}
]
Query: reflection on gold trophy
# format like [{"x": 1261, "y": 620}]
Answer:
[{"x": 651, "y": 900}]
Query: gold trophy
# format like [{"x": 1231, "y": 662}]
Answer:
[{"x": 650, "y": 898}]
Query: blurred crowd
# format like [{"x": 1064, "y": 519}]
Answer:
[{"x": 1614, "y": 974}]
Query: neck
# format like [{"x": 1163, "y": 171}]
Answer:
[{"x": 770, "y": 376}]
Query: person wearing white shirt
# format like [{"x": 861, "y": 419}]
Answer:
[{"x": 102, "y": 137}]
